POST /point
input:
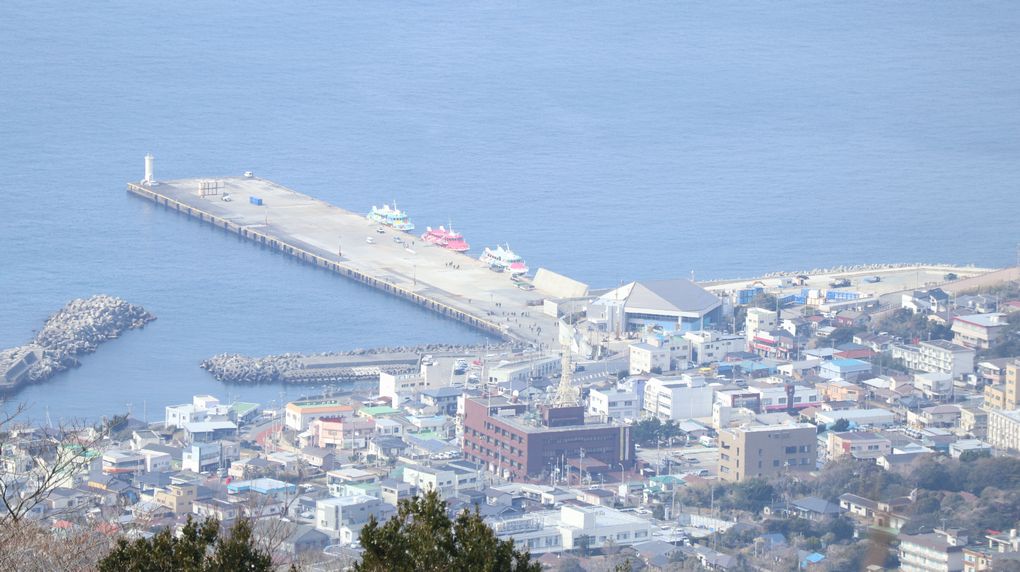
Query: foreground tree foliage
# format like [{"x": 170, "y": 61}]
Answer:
[
  {"x": 421, "y": 538},
  {"x": 191, "y": 552}
]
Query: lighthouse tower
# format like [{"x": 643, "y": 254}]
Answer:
[{"x": 150, "y": 169}]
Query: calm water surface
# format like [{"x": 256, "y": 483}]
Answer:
[{"x": 609, "y": 142}]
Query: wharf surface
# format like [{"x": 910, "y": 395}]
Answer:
[{"x": 452, "y": 284}]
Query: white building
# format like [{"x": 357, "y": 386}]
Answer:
[
  {"x": 572, "y": 526},
  {"x": 343, "y": 517},
  {"x": 710, "y": 346},
  {"x": 447, "y": 479},
  {"x": 936, "y": 356},
  {"x": 858, "y": 417},
  {"x": 758, "y": 320},
  {"x": 671, "y": 305},
  {"x": 400, "y": 387},
  {"x": 156, "y": 461},
  {"x": 979, "y": 330},
  {"x": 201, "y": 408},
  {"x": 934, "y": 385},
  {"x": 774, "y": 397},
  {"x": 646, "y": 358},
  {"x": 683, "y": 397},
  {"x": 206, "y": 457},
  {"x": 1004, "y": 429},
  {"x": 601, "y": 525},
  {"x": 614, "y": 403}
]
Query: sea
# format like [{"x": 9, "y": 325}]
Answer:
[{"x": 609, "y": 141}]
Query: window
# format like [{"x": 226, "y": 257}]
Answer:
[
  {"x": 791, "y": 450},
  {"x": 775, "y": 463}
]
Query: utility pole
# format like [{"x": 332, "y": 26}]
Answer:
[{"x": 580, "y": 469}]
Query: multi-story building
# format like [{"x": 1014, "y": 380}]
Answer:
[
  {"x": 448, "y": 479},
  {"x": 710, "y": 346},
  {"x": 646, "y": 358},
  {"x": 572, "y": 527},
  {"x": 614, "y": 403},
  {"x": 177, "y": 497},
  {"x": 208, "y": 431},
  {"x": 936, "y": 356},
  {"x": 840, "y": 390},
  {"x": 938, "y": 386},
  {"x": 758, "y": 320},
  {"x": 508, "y": 439},
  {"x": 777, "y": 396},
  {"x": 299, "y": 414},
  {"x": 1005, "y": 395},
  {"x": 205, "y": 457},
  {"x": 979, "y": 331},
  {"x": 156, "y": 461},
  {"x": 342, "y": 432},
  {"x": 221, "y": 510},
  {"x": 201, "y": 408},
  {"x": 681, "y": 397},
  {"x": 766, "y": 450},
  {"x": 332, "y": 515},
  {"x": 974, "y": 422},
  {"x": 444, "y": 399},
  {"x": 857, "y": 444},
  {"x": 117, "y": 461},
  {"x": 939, "y": 551},
  {"x": 778, "y": 344},
  {"x": 400, "y": 387},
  {"x": 1001, "y": 548},
  {"x": 1004, "y": 429}
]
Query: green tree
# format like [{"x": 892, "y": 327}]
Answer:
[
  {"x": 190, "y": 552},
  {"x": 840, "y": 425},
  {"x": 422, "y": 537}
]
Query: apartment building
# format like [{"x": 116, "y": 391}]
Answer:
[
  {"x": 936, "y": 356},
  {"x": 710, "y": 346},
  {"x": 979, "y": 331},
  {"x": 299, "y": 414},
  {"x": 940, "y": 551},
  {"x": 614, "y": 403},
  {"x": 682, "y": 397},
  {"x": 766, "y": 450},
  {"x": 1005, "y": 395},
  {"x": 758, "y": 320},
  {"x": 857, "y": 444},
  {"x": 1004, "y": 429}
]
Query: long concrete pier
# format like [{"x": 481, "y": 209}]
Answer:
[{"x": 454, "y": 285}]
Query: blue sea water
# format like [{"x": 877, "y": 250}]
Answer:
[{"x": 609, "y": 141}]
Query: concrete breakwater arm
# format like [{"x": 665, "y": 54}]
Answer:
[
  {"x": 76, "y": 329},
  {"x": 352, "y": 365}
]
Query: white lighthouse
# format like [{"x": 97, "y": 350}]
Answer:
[{"x": 150, "y": 169}]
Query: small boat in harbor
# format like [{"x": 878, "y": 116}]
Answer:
[
  {"x": 504, "y": 257},
  {"x": 391, "y": 217},
  {"x": 447, "y": 238}
]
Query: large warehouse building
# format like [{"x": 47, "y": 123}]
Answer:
[{"x": 673, "y": 305}]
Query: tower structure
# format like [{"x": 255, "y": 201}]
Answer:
[
  {"x": 150, "y": 169},
  {"x": 566, "y": 394}
]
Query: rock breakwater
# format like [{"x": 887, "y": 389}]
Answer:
[
  {"x": 76, "y": 329},
  {"x": 351, "y": 365}
]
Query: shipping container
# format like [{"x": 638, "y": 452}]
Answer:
[{"x": 255, "y": 201}]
